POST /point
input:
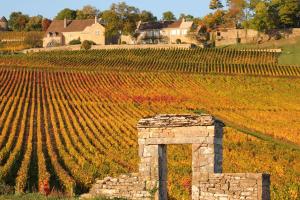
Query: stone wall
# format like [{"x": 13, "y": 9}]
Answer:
[
  {"x": 100, "y": 47},
  {"x": 205, "y": 135},
  {"x": 234, "y": 186},
  {"x": 125, "y": 186}
]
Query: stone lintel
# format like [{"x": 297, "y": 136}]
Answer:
[{"x": 183, "y": 120}]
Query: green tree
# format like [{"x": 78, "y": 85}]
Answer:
[
  {"x": 215, "y": 4},
  {"x": 128, "y": 17},
  {"x": 168, "y": 16},
  {"x": 87, "y": 12},
  {"x": 289, "y": 12},
  {"x": 147, "y": 16},
  {"x": 113, "y": 23},
  {"x": 17, "y": 21},
  {"x": 66, "y": 13},
  {"x": 186, "y": 17},
  {"x": 262, "y": 18},
  {"x": 34, "y": 23}
]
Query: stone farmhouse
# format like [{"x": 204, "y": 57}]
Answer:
[
  {"x": 227, "y": 36},
  {"x": 164, "y": 32},
  {"x": 61, "y": 32},
  {"x": 3, "y": 24}
]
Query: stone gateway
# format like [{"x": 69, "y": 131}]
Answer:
[{"x": 205, "y": 135}]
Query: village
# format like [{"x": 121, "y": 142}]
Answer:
[{"x": 220, "y": 28}]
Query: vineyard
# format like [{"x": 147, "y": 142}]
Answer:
[
  {"x": 14, "y": 41},
  {"x": 204, "y": 61},
  {"x": 72, "y": 117}
]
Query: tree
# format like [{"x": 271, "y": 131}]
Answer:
[
  {"x": 66, "y": 13},
  {"x": 113, "y": 23},
  {"x": 34, "y": 23},
  {"x": 128, "y": 17},
  {"x": 289, "y": 12},
  {"x": 87, "y": 12},
  {"x": 168, "y": 16},
  {"x": 186, "y": 17},
  {"x": 45, "y": 24},
  {"x": 147, "y": 16},
  {"x": 215, "y": 19},
  {"x": 17, "y": 21},
  {"x": 262, "y": 18},
  {"x": 237, "y": 11},
  {"x": 215, "y": 4}
]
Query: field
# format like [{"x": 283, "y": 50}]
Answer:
[{"x": 68, "y": 118}]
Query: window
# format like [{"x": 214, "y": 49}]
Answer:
[
  {"x": 184, "y": 32},
  {"x": 218, "y": 34},
  {"x": 173, "y": 32},
  {"x": 178, "y": 32},
  {"x": 97, "y": 32}
]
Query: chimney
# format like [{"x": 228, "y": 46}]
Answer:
[{"x": 65, "y": 23}]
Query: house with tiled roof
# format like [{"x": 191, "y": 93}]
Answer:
[
  {"x": 178, "y": 32},
  {"x": 62, "y": 32},
  {"x": 3, "y": 24},
  {"x": 165, "y": 32}
]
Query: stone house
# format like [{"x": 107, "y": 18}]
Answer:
[
  {"x": 228, "y": 36},
  {"x": 61, "y": 32},
  {"x": 179, "y": 31},
  {"x": 164, "y": 32},
  {"x": 3, "y": 24},
  {"x": 152, "y": 32}
]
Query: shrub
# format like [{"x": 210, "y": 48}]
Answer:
[
  {"x": 6, "y": 189},
  {"x": 75, "y": 42},
  {"x": 86, "y": 45},
  {"x": 178, "y": 41},
  {"x": 53, "y": 43},
  {"x": 123, "y": 42},
  {"x": 33, "y": 40}
]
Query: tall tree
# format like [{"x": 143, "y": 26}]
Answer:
[
  {"x": 147, "y": 16},
  {"x": 87, "y": 12},
  {"x": 17, "y": 21},
  {"x": 128, "y": 16},
  {"x": 289, "y": 12},
  {"x": 34, "y": 23},
  {"x": 113, "y": 23},
  {"x": 66, "y": 13},
  {"x": 262, "y": 19},
  {"x": 168, "y": 16},
  {"x": 215, "y": 4}
]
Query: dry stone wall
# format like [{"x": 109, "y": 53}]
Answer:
[{"x": 205, "y": 134}]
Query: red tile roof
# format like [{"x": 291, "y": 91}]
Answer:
[
  {"x": 176, "y": 24},
  {"x": 72, "y": 25}
]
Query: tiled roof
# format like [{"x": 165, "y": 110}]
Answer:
[
  {"x": 176, "y": 24},
  {"x": 181, "y": 24},
  {"x": 154, "y": 25},
  {"x": 72, "y": 25}
]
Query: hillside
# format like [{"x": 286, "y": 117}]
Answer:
[{"x": 70, "y": 117}]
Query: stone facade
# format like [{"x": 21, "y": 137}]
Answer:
[
  {"x": 227, "y": 36},
  {"x": 205, "y": 134},
  {"x": 61, "y": 32}
]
